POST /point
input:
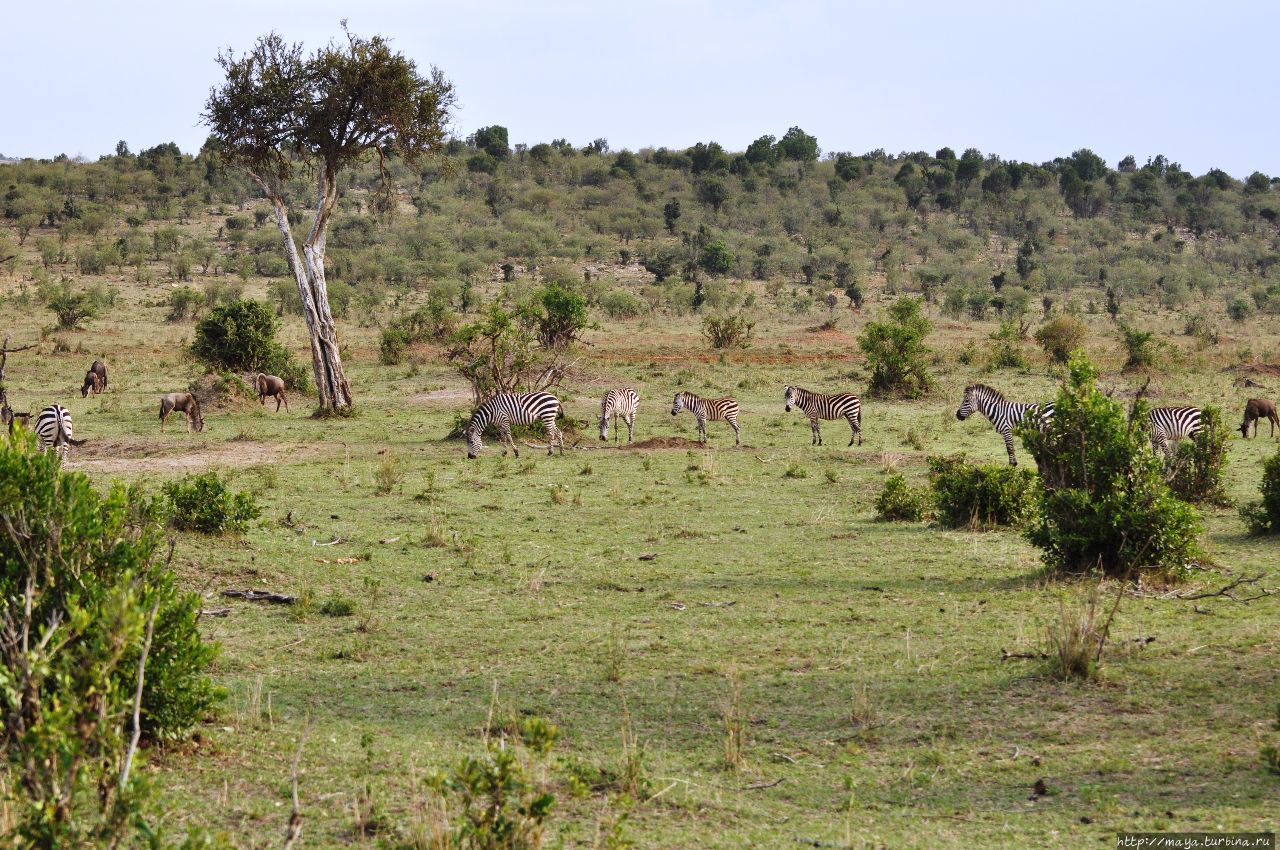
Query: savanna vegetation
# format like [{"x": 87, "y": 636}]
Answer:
[{"x": 673, "y": 644}]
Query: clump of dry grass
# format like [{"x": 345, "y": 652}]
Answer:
[
  {"x": 735, "y": 723},
  {"x": 891, "y": 462},
  {"x": 1077, "y": 637}
]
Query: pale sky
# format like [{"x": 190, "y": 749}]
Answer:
[{"x": 1025, "y": 79}]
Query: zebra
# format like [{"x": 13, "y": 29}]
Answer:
[
  {"x": 620, "y": 403},
  {"x": 1004, "y": 414},
  {"x": 507, "y": 409},
  {"x": 53, "y": 429},
  {"x": 817, "y": 406},
  {"x": 1171, "y": 423},
  {"x": 709, "y": 410}
]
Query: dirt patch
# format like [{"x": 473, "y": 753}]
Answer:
[
  {"x": 666, "y": 443},
  {"x": 115, "y": 456}
]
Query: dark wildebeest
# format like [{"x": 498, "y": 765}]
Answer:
[
  {"x": 95, "y": 379},
  {"x": 184, "y": 403},
  {"x": 1254, "y": 410},
  {"x": 269, "y": 386}
]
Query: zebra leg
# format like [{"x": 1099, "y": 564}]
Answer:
[
  {"x": 702, "y": 429},
  {"x": 504, "y": 432},
  {"x": 1008, "y": 444},
  {"x": 737, "y": 433},
  {"x": 615, "y": 428},
  {"x": 854, "y": 431},
  {"x": 817, "y": 432},
  {"x": 631, "y": 422}
]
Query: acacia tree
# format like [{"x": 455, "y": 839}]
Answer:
[{"x": 280, "y": 111}]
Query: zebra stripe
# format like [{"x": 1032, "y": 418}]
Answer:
[
  {"x": 817, "y": 406},
  {"x": 507, "y": 409},
  {"x": 621, "y": 404},
  {"x": 53, "y": 429},
  {"x": 709, "y": 410},
  {"x": 1172, "y": 423},
  {"x": 1004, "y": 415}
]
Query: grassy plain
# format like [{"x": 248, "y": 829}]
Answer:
[{"x": 879, "y": 711}]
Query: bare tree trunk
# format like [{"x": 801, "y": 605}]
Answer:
[{"x": 308, "y": 271}]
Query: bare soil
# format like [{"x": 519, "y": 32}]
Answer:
[{"x": 140, "y": 455}]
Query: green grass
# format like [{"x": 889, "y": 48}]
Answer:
[{"x": 868, "y": 655}]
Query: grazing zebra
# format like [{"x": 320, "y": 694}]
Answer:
[
  {"x": 507, "y": 409},
  {"x": 709, "y": 410},
  {"x": 620, "y": 404},
  {"x": 1172, "y": 423},
  {"x": 816, "y": 406},
  {"x": 53, "y": 428},
  {"x": 1004, "y": 414}
]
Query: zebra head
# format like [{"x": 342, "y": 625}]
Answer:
[
  {"x": 789, "y": 398},
  {"x": 472, "y": 433},
  {"x": 972, "y": 402},
  {"x": 677, "y": 404},
  {"x": 604, "y": 419}
]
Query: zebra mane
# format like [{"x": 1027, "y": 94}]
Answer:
[{"x": 999, "y": 396}]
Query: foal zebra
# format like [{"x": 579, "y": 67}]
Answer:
[
  {"x": 709, "y": 410},
  {"x": 1172, "y": 423},
  {"x": 1004, "y": 414},
  {"x": 53, "y": 429},
  {"x": 620, "y": 403},
  {"x": 507, "y": 409},
  {"x": 817, "y": 406}
]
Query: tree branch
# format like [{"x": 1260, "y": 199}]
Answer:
[
  {"x": 1226, "y": 591},
  {"x": 137, "y": 694},
  {"x": 294, "y": 830}
]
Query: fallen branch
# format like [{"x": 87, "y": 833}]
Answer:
[
  {"x": 1005, "y": 655},
  {"x": 260, "y": 596},
  {"x": 214, "y": 612},
  {"x": 1226, "y": 591},
  {"x": 759, "y": 786},
  {"x": 334, "y": 542}
]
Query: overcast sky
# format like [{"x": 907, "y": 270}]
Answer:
[{"x": 1025, "y": 79}]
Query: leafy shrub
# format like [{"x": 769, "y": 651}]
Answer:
[
  {"x": 86, "y": 571},
  {"x": 895, "y": 352},
  {"x": 501, "y": 802},
  {"x": 71, "y": 309},
  {"x": 969, "y": 496},
  {"x": 1199, "y": 327},
  {"x": 1104, "y": 503},
  {"x": 560, "y": 316},
  {"x": 899, "y": 501},
  {"x": 1238, "y": 309},
  {"x": 1263, "y": 516},
  {"x": 241, "y": 336},
  {"x": 621, "y": 304},
  {"x": 1060, "y": 336},
  {"x": 728, "y": 331},
  {"x": 1196, "y": 472},
  {"x": 1006, "y": 349},
  {"x": 203, "y": 503},
  {"x": 1139, "y": 347},
  {"x": 435, "y": 321},
  {"x": 184, "y": 303}
]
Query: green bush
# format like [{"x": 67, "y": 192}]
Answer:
[
  {"x": 1263, "y": 516},
  {"x": 1006, "y": 348},
  {"x": 81, "y": 573},
  {"x": 896, "y": 352},
  {"x": 184, "y": 303},
  {"x": 203, "y": 503},
  {"x": 1060, "y": 336},
  {"x": 1104, "y": 503},
  {"x": 241, "y": 336},
  {"x": 501, "y": 801},
  {"x": 621, "y": 304},
  {"x": 436, "y": 321},
  {"x": 899, "y": 501},
  {"x": 1139, "y": 347},
  {"x": 727, "y": 331},
  {"x": 71, "y": 309},
  {"x": 1196, "y": 472},
  {"x": 969, "y": 496}
]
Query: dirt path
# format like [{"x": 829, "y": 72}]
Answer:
[{"x": 137, "y": 455}]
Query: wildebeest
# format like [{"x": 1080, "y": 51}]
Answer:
[
  {"x": 1254, "y": 410},
  {"x": 95, "y": 379},
  {"x": 9, "y": 417},
  {"x": 184, "y": 403},
  {"x": 269, "y": 386}
]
